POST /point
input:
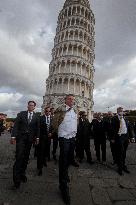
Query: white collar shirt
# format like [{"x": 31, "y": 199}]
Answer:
[
  {"x": 68, "y": 127},
  {"x": 29, "y": 113},
  {"x": 123, "y": 127},
  {"x": 47, "y": 119}
]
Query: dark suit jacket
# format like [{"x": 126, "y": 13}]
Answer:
[
  {"x": 24, "y": 129},
  {"x": 43, "y": 134},
  {"x": 98, "y": 130},
  {"x": 116, "y": 126},
  {"x": 83, "y": 131},
  {"x": 1, "y": 126},
  {"x": 109, "y": 128}
]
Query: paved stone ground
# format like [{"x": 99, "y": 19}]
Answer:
[{"x": 95, "y": 184}]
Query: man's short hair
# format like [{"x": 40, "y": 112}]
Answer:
[
  {"x": 46, "y": 108},
  {"x": 31, "y": 101},
  {"x": 69, "y": 95},
  {"x": 119, "y": 108}
]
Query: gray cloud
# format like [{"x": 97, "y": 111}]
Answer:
[{"x": 27, "y": 31}]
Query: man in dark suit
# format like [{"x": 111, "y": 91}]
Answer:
[
  {"x": 121, "y": 135},
  {"x": 99, "y": 135},
  {"x": 1, "y": 123},
  {"x": 109, "y": 130},
  {"x": 43, "y": 149},
  {"x": 24, "y": 132},
  {"x": 83, "y": 138},
  {"x": 54, "y": 137}
]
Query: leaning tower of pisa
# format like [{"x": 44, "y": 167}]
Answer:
[{"x": 71, "y": 69}]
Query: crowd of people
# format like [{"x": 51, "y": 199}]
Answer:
[
  {"x": 2, "y": 122},
  {"x": 72, "y": 131}
]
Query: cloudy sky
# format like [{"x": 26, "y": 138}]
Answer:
[{"x": 27, "y": 31}]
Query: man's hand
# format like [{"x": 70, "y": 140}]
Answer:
[
  {"x": 13, "y": 140},
  {"x": 49, "y": 135},
  {"x": 112, "y": 141},
  {"x": 37, "y": 141}
]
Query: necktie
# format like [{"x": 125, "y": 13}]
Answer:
[
  {"x": 30, "y": 117},
  {"x": 121, "y": 123},
  {"x": 47, "y": 123},
  {"x": 69, "y": 109}
]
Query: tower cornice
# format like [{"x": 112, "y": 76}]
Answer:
[{"x": 81, "y": 2}]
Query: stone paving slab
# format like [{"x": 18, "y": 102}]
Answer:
[
  {"x": 133, "y": 192},
  {"x": 95, "y": 184},
  {"x": 118, "y": 194},
  {"x": 105, "y": 183},
  {"x": 103, "y": 199},
  {"x": 125, "y": 203},
  {"x": 80, "y": 194},
  {"x": 126, "y": 182}
]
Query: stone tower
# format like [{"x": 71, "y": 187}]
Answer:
[{"x": 71, "y": 69}]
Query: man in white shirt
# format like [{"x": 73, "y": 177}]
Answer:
[
  {"x": 65, "y": 120},
  {"x": 121, "y": 134}
]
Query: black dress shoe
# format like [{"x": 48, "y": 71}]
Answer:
[
  {"x": 90, "y": 162},
  {"x": 120, "y": 172},
  {"x": 68, "y": 179},
  {"x": 126, "y": 170},
  {"x": 80, "y": 160},
  {"x": 49, "y": 159},
  {"x": 54, "y": 157},
  {"x": 17, "y": 185},
  {"x": 24, "y": 179},
  {"x": 45, "y": 164},
  {"x": 114, "y": 162},
  {"x": 65, "y": 195},
  {"x": 40, "y": 172},
  {"x": 75, "y": 164}
]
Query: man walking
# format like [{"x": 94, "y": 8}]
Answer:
[
  {"x": 23, "y": 134},
  {"x": 83, "y": 138},
  {"x": 65, "y": 121},
  {"x": 43, "y": 148}
]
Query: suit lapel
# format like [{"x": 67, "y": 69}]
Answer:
[
  {"x": 33, "y": 117},
  {"x": 26, "y": 116}
]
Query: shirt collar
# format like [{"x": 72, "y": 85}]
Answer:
[
  {"x": 67, "y": 107},
  {"x": 47, "y": 116},
  {"x": 120, "y": 117},
  {"x": 30, "y": 112}
]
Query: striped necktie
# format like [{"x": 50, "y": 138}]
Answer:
[
  {"x": 121, "y": 123},
  {"x": 30, "y": 117},
  {"x": 48, "y": 123}
]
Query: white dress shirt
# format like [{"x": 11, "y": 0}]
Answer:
[
  {"x": 68, "y": 127},
  {"x": 123, "y": 127},
  {"x": 28, "y": 115},
  {"x": 47, "y": 119}
]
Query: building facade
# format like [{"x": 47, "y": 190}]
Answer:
[{"x": 71, "y": 69}]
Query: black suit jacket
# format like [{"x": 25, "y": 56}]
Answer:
[
  {"x": 98, "y": 130},
  {"x": 1, "y": 126},
  {"x": 83, "y": 131},
  {"x": 24, "y": 129},
  {"x": 116, "y": 126},
  {"x": 43, "y": 134}
]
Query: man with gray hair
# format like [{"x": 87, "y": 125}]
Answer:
[
  {"x": 65, "y": 123},
  {"x": 121, "y": 134}
]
